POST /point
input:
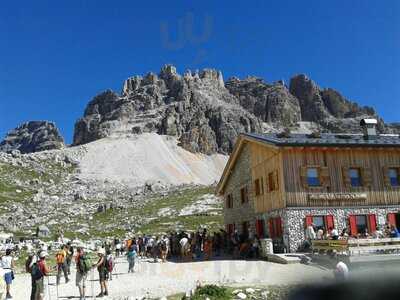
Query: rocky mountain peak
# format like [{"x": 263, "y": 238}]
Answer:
[
  {"x": 33, "y": 136},
  {"x": 206, "y": 114},
  {"x": 168, "y": 71},
  {"x": 202, "y": 111}
]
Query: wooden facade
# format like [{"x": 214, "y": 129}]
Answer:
[
  {"x": 334, "y": 165},
  {"x": 267, "y": 162},
  {"x": 284, "y": 168}
]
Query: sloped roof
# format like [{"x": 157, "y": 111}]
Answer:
[
  {"x": 303, "y": 140},
  {"x": 326, "y": 140}
]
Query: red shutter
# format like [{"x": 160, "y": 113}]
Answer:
[
  {"x": 309, "y": 220},
  {"x": 353, "y": 225},
  {"x": 260, "y": 228},
  {"x": 271, "y": 228},
  {"x": 372, "y": 223},
  {"x": 392, "y": 219},
  {"x": 230, "y": 228},
  {"x": 329, "y": 222},
  {"x": 278, "y": 226}
]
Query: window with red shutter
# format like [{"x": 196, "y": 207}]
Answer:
[
  {"x": 278, "y": 227},
  {"x": 371, "y": 223},
  {"x": 353, "y": 225},
  {"x": 260, "y": 228},
  {"x": 392, "y": 219},
  {"x": 229, "y": 228},
  {"x": 329, "y": 222},
  {"x": 229, "y": 201},
  {"x": 309, "y": 221},
  {"x": 271, "y": 228}
]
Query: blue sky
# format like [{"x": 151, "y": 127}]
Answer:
[{"x": 56, "y": 55}]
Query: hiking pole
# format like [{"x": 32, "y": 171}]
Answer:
[
  {"x": 48, "y": 287},
  {"x": 92, "y": 282},
  {"x": 57, "y": 290}
]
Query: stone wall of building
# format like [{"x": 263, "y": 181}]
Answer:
[
  {"x": 240, "y": 176},
  {"x": 293, "y": 219}
]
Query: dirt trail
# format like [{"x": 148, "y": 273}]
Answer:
[{"x": 157, "y": 279}]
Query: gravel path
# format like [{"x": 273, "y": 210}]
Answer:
[{"x": 161, "y": 279}]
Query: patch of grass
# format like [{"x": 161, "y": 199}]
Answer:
[
  {"x": 175, "y": 201},
  {"x": 226, "y": 292},
  {"x": 213, "y": 292}
]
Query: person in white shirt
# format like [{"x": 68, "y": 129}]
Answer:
[
  {"x": 342, "y": 271},
  {"x": 8, "y": 264},
  {"x": 334, "y": 234},
  {"x": 377, "y": 234},
  {"x": 320, "y": 234},
  {"x": 310, "y": 233},
  {"x": 185, "y": 246}
]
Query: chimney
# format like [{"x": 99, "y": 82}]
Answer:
[{"x": 369, "y": 128}]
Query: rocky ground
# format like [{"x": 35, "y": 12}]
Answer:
[{"x": 156, "y": 280}]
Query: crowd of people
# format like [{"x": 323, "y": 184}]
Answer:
[
  {"x": 314, "y": 233},
  {"x": 318, "y": 233},
  {"x": 177, "y": 246},
  {"x": 188, "y": 246}
]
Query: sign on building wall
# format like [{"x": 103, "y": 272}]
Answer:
[{"x": 336, "y": 198}]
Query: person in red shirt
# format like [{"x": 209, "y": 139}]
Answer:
[{"x": 45, "y": 271}]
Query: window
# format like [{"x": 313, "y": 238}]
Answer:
[
  {"x": 313, "y": 177},
  {"x": 361, "y": 224},
  {"x": 258, "y": 187},
  {"x": 260, "y": 228},
  {"x": 394, "y": 177},
  {"x": 230, "y": 228},
  {"x": 275, "y": 227},
  {"x": 273, "y": 181},
  {"x": 245, "y": 229},
  {"x": 319, "y": 222},
  {"x": 244, "y": 197},
  {"x": 355, "y": 178},
  {"x": 229, "y": 201}
]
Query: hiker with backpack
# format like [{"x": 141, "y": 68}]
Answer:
[
  {"x": 131, "y": 256},
  {"x": 61, "y": 259},
  {"x": 30, "y": 261},
  {"x": 39, "y": 271},
  {"x": 70, "y": 254},
  {"x": 83, "y": 267},
  {"x": 101, "y": 266},
  {"x": 110, "y": 263}
]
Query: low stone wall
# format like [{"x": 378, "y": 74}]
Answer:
[{"x": 266, "y": 247}]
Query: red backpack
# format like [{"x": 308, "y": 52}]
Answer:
[{"x": 110, "y": 265}]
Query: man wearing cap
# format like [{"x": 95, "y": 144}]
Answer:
[
  {"x": 101, "y": 266},
  {"x": 81, "y": 272},
  {"x": 30, "y": 261},
  {"x": 39, "y": 295}
]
